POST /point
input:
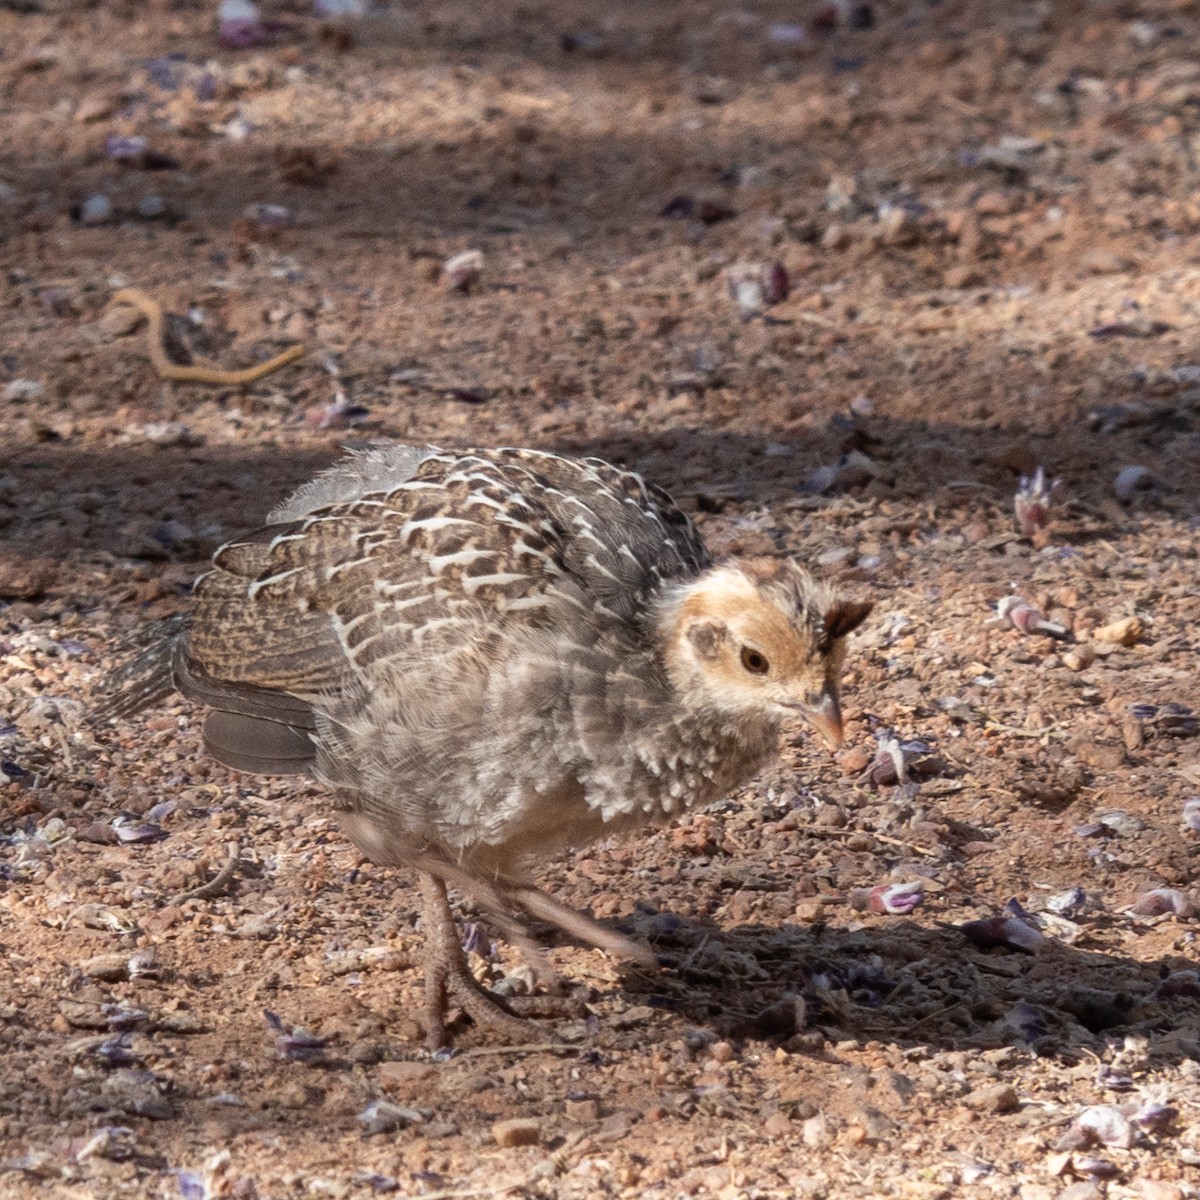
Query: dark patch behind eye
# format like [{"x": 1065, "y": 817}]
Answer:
[{"x": 707, "y": 637}]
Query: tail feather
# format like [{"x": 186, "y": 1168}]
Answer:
[{"x": 145, "y": 680}]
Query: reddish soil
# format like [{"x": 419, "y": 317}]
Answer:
[{"x": 988, "y": 215}]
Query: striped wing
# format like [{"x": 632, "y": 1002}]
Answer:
[{"x": 461, "y": 547}]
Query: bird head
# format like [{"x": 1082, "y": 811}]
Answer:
[{"x": 760, "y": 639}]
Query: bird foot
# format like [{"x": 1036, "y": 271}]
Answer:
[
  {"x": 486, "y": 1010},
  {"x": 448, "y": 981},
  {"x": 552, "y": 1007}
]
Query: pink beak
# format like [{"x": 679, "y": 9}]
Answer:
[{"x": 826, "y": 719}]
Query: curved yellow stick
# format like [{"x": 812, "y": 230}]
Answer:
[{"x": 196, "y": 372}]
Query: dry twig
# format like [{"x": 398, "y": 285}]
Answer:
[
  {"x": 218, "y": 884},
  {"x": 195, "y": 372}
]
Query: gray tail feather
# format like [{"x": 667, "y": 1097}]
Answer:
[{"x": 142, "y": 681}]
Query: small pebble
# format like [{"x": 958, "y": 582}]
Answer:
[
  {"x": 782, "y": 33},
  {"x": 517, "y": 1131},
  {"x": 95, "y": 108},
  {"x": 96, "y": 210},
  {"x": 721, "y": 1052},
  {"x": 400, "y": 1076},
  {"x": 998, "y": 1098},
  {"x": 1124, "y": 632},
  {"x": 332, "y": 9},
  {"x": 107, "y": 967},
  {"x": 268, "y": 216},
  {"x": 151, "y": 207},
  {"x": 120, "y": 320},
  {"x": 584, "y": 1111},
  {"x": 168, "y": 433},
  {"x": 1079, "y": 659},
  {"x": 21, "y": 390},
  {"x": 1156, "y": 1189},
  {"x": 854, "y": 760},
  {"x": 382, "y": 1116},
  {"x": 815, "y": 1132},
  {"x": 1133, "y": 481},
  {"x": 125, "y": 149}
]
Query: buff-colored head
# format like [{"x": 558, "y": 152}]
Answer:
[{"x": 760, "y": 639}]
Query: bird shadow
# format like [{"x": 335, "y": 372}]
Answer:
[{"x": 913, "y": 985}]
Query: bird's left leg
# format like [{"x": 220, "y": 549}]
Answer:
[
  {"x": 495, "y": 898},
  {"x": 448, "y": 978}
]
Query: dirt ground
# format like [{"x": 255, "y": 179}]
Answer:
[{"x": 989, "y": 219}]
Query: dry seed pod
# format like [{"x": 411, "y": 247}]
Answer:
[
  {"x": 1176, "y": 719},
  {"x": 1153, "y": 1115},
  {"x": 1191, "y": 813},
  {"x": 382, "y": 1116},
  {"x": 1032, "y": 502},
  {"x": 755, "y": 286},
  {"x": 295, "y": 1044},
  {"x": 1003, "y": 932},
  {"x": 1028, "y": 619},
  {"x": 1160, "y": 901},
  {"x": 462, "y": 272},
  {"x": 1068, "y": 903},
  {"x": 1102, "y": 1124},
  {"x": 889, "y": 766},
  {"x": 240, "y": 25},
  {"x": 895, "y": 899}
]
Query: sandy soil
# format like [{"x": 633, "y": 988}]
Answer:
[{"x": 988, "y": 215}]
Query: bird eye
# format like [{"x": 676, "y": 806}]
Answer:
[{"x": 754, "y": 662}]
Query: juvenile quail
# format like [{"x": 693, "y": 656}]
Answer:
[{"x": 489, "y": 655}]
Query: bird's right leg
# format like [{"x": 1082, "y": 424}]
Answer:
[{"x": 575, "y": 924}]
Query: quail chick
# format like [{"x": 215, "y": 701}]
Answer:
[{"x": 488, "y": 656}]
